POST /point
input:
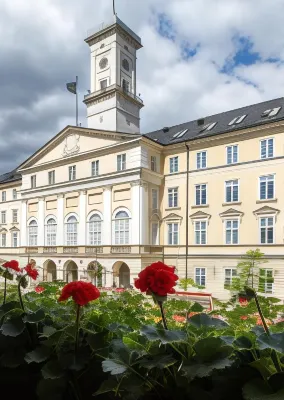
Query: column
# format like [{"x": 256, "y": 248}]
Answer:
[
  {"x": 107, "y": 222},
  {"x": 140, "y": 219},
  {"x": 23, "y": 239},
  {"x": 60, "y": 220},
  {"x": 82, "y": 218},
  {"x": 40, "y": 222}
]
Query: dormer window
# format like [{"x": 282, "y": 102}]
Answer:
[
  {"x": 271, "y": 112},
  {"x": 237, "y": 120},
  {"x": 179, "y": 134},
  {"x": 208, "y": 127}
]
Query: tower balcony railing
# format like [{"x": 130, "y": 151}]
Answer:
[{"x": 109, "y": 89}]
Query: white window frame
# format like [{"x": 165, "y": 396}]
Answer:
[
  {"x": 4, "y": 196},
  {"x": 267, "y": 227},
  {"x": 3, "y": 217},
  {"x": 232, "y": 275},
  {"x": 101, "y": 81},
  {"x": 232, "y": 147},
  {"x": 171, "y": 235},
  {"x": 202, "y": 187},
  {"x": 200, "y": 230},
  {"x": 199, "y": 159},
  {"x": 33, "y": 181},
  {"x": 95, "y": 168},
  {"x": 268, "y": 283},
  {"x": 123, "y": 231},
  {"x": 232, "y": 229},
  {"x": 71, "y": 237},
  {"x": 202, "y": 273},
  {"x": 266, "y": 141},
  {"x": 174, "y": 164},
  {"x": 32, "y": 237},
  {"x": 50, "y": 231},
  {"x": 127, "y": 87},
  {"x": 173, "y": 194},
  {"x": 72, "y": 173},
  {"x": 121, "y": 162},
  {"x": 95, "y": 229},
  {"x": 51, "y": 177},
  {"x": 231, "y": 184},
  {"x": 154, "y": 163},
  {"x": 155, "y": 199},
  {"x": 15, "y": 216},
  {"x": 14, "y": 235},
  {"x": 14, "y": 194},
  {"x": 157, "y": 241},
  {"x": 3, "y": 242},
  {"x": 266, "y": 190}
]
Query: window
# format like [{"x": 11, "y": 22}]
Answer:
[
  {"x": 173, "y": 197},
  {"x": 173, "y": 233},
  {"x": 154, "y": 199},
  {"x": 125, "y": 85},
  {"x": 230, "y": 274},
  {"x": 271, "y": 112},
  {"x": 103, "y": 63},
  {"x": 201, "y": 159},
  {"x": 200, "y": 276},
  {"x": 32, "y": 233},
  {"x": 173, "y": 165},
  {"x": 95, "y": 168},
  {"x": 72, "y": 173},
  {"x": 232, "y": 154},
  {"x": 15, "y": 216},
  {"x": 125, "y": 64},
  {"x": 121, "y": 228},
  {"x": 4, "y": 240},
  {"x": 3, "y": 217},
  {"x": 237, "y": 120},
  {"x": 266, "y": 280},
  {"x": 71, "y": 231},
  {"x": 154, "y": 163},
  {"x": 208, "y": 127},
  {"x": 15, "y": 239},
  {"x": 200, "y": 228},
  {"x": 266, "y": 187},
  {"x": 267, "y": 230},
  {"x": 232, "y": 231},
  {"x": 33, "y": 181},
  {"x": 51, "y": 177},
  {"x": 103, "y": 84},
  {"x": 266, "y": 148},
  {"x": 14, "y": 194},
  {"x": 121, "y": 162},
  {"x": 95, "y": 230},
  {"x": 200, "y": 195},
  {"x": 4, "y": 196},
  {"x": 232, "y": 191},
  {"x": 50, "y": 230},
  {"x": 155, "y": 233},
  {"x": 179, "y": 134}
]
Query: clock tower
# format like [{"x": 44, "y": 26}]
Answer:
[{"x": 112, "y": 103}]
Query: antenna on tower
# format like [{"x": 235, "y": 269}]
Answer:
[{"x": 113, "y": 6}]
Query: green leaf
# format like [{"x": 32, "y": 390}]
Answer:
[
  {"x": 132, "y": 344},
  {"x": 40, "y": 354},
  {"x": 107, "y": 386},
  {"x": 34, "y": 317},
  {"x": 52, "y": 370},
  {"x": 48, "y": 331},
  {"x": 96, "y": 341},
  {"x": 12, "y": 358},
  {"x": 274, "y": 341},
  {"x": 264, "y": 366},
  {"x": 159, "y": 361},
  {"x": 115, "y": 367},
  {"x": 115, "y": 326},
  {"x": 258, "y": 390},
  {"x": 14, "y": 327},
  {"x": 196, "y": 307},
  {"x": 243, "y": 342},
  {"x": 152, "y": 333},
  {"x": 200, "y": 320},
  {"x": 211, "y": 348},
  {"x": 51, "y": 389},
  {"x": 5, "y": 308},
  {"x": 202, "y": 370}
]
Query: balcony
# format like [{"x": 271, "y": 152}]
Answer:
[{"x": 108, "y": 89}]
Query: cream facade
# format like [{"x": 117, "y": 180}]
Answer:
[{"x": 196, "y": 196}]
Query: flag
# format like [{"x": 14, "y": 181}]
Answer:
[{"x": 72, "y": 87}]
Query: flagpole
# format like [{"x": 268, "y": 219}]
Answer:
[{"x": 77, "y": 101}]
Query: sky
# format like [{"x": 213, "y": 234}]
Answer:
[{"x": 200, "y": 57}]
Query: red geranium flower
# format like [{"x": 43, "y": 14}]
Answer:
[
  {"x": 178, "y": 318},
  {"x": 81, "y": 292},
  {"x": 243, "y": 317},
  {"x": 13, "y": 264},
  {"x": 39, "y": 289},
  {"x": 157, "y": 278},
  {"x": 243, "y": 301},
  {"x": 32, "y": 272}
]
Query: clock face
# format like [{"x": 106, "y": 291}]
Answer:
[
  {"x": 125, "y": 64},
  {"x": 103, "y": 63}
]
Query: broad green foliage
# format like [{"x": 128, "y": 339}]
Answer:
[{"x": 125, "y": 353}]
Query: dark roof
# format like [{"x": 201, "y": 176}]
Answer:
[
  {"x": 253, "y": 118},
  {"x": 10, "y": 177}
]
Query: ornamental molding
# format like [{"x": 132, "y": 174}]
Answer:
[
  {"x": 139, "y": 182},
  {"x": 266, "y": 210},
  {"x": 200, "y": 215},
  {"x": 100, "y": 99},
  {"x": 71, "y": 145}
]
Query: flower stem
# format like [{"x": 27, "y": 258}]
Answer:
[
  {"x": 77, "y": 329},
  {"x": 163, "y": 314},
  {"x": 5, "y": 290},
  {"x": 261, "y": 314},
  {"x": 20, "y": 294}
]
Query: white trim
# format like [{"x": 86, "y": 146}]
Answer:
[
  {"x": 225, "y": 191},
  {"x": 206, "y": 231},
  {"x": 118, "y": 209},
  {"x": 170, "y": 158},
  {"x": 72, "y": 214},
  {"x": 225, "y": 230},
  {"x": 206, "y": 160},
  {"x": 94, "y": 212},
  {"x": 274, "y": 186},
  {"x": 232, "y": 145},
  {"x": 48, "y": 217},
  {"x": 31, "y": 219},
  {"x": 206, "y": 192},
  {"x": 205, "y": 268},
  {"x": 166, "y": 234},
  {"x": 259, "y": 227},
  {"x": 262, "y": 140}
]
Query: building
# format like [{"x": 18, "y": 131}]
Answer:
[{"x": 196, "y": 195}]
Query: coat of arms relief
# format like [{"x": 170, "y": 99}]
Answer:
[{"x": 71, "y": 145}]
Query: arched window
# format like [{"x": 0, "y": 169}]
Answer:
[
  {"x": 95, "y": 230},
  {"x": 121, "y": 228},
  {"x": 125, "y": 64},
  {"x": 71, "y": 231},
  {"x": 50, "y": 230},
  {"x": 32, "y": 233}
]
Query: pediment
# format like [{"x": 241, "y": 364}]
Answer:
[
  {"x": 172, "y": 216},
  {"x": 73, "y": 141},
  {"x": 14, "y": 229},
  {"x": 266, "y": 210},
  {"x": 200, "y": 215},
  {"x": 231, "y": 212},
  {"x": 3, "y": 230}
]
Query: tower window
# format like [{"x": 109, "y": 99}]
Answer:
[
  {"x": 125, "y": 64},
  {"x": 103, "y": 63},
  {"x": 125, "y": 85},
  {"x": 103, "y": 84}
]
